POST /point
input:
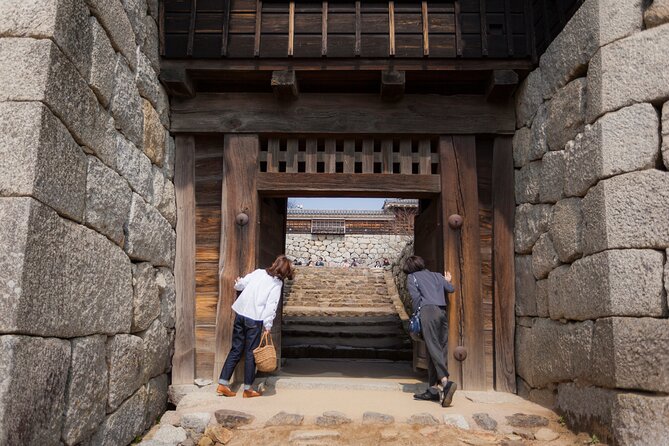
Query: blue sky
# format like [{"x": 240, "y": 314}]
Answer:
[{"x": 340, "y": 203}]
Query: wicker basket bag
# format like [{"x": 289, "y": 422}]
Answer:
[{"x": 265, "y": 354}]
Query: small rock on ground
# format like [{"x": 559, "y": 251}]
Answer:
[
  {"x": 171, "y": 417},
  {"x": 485, "y": 421},
  {"x": 423, "y": 419},
  {"x": 525, "y": 420},
  {"x": 195, "y": 421},
  {"x": 377, "y": 418},
  {"x": 168, "y": 434},
  {"x": 285, "y": 419},
  {"x": 389, "y": 434},
  {"x": 456, "y": 420},
  {"x": 205, "y": 441},
  {"x": 219, "y": 434},
  {"x": 333, "y": 418},
  {"x": 233, "y": 418},
  {"x": 201, "y": 382},
  {"x": 545, "y": 434},
  {"x": 524, "y": 433},
  {"x": 313, "y": 435}
]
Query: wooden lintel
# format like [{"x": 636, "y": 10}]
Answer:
[
  {"x": 177, "y": 82},
  {"x": 284, "y": 85},
  {"x": 392, "y": 85},
  {"x": 316, "y": 113},
  {"x": 501, "y": 85},
  {"x": 333, "y": 184}
]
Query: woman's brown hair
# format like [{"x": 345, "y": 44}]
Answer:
[
  {"x": 413, "y": 264},
  {"x": 282, "y": 268}
]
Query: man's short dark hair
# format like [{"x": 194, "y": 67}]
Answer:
[{"x": 413, "y": 264}]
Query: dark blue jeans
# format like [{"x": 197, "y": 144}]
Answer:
[{"x": 246, "y": 335}]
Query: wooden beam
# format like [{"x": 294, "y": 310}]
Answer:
[
  {"x": 391, "y": 28},
  {"x": 458, "y": 29},
  {"x": 258, "y": 29},
  {"x": 392, "y": 85},
  {"x": 291, "y": 28},
  {"x": 358, "y": 29},
  {"x": 529, "y": 30},
  {"x": 183, "y": 361},
  {"x": 284, "y": 85},
  {"x": 324, "y": 29},
  {"x": 226, "y": 28},
  {"x": 426, "y": 28},
  {"x": 463, "y": 256},
  {"x": 161, "y": 24},
  {"x": 238, "y": 245},
  {"x": 351, "y": 113},
  {"x": 358, "y": 184},
  {"x": 191, "y": 28},
  {"x": 509, "y": 27},
  {"x": 503, "y": 264},
  {"x": 484, "y": 28},
  {"x": 501, "y": 85},
  {"x": 177, "y": 81}
]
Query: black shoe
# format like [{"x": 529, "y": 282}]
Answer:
[
  {"x": 426, "y": 396},
  {"x": 447, "y": 394}
]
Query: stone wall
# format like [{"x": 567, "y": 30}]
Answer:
[
  {"x": 592, "y": 223},
  {"x": 401, "y": 278},
  {"x": 87, "y": 211},
  {"x": 335, "y": 249}
]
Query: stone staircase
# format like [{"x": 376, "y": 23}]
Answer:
[{"x": 343, "y": 313}]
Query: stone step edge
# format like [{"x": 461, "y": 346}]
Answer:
[{"x": 357, "y": 384}]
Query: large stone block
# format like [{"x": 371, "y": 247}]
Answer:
[
  {"x": 103, "y": 62},
  {"x": 529, "y": 97},
  {"x": 526, "y": 300},
  {"x": 136, "y": 10},
  {"x": 168, "y": 164},
  {"x": 40, "y": 158},
  {"x": 156, "y": 350},
  {"x": 542, "y": 298},
  {"x": 595, "y": 24},
  {"x": 58, "y": 278},
  {"x": 149, "y": 236},
  {"x": 665, "y": 134},
  {"x": 566, "y": 114},
  {"x": 156, "y": 400},
  {"x": 154, "y": 134},
  {"x": 531, "y": 221},
  {"x": 557, "y": 282},
  {"x": 168, "y": 296},
  {"x": 33, "y": 377},
  {"x": 565, "y": 229},
  {"x": 569, "y": 346},
  {"x": 629, "y": 71},
  {"x": 125, "y": 359},
  {"x": 36, "y": 70},
  {"x": 64, "y": 21},
  {"x": 112, "y": 16},
  {"x": 168, "y": 203},
  {"x": 627, "y": 211},
  {"x": 149, "y": 42},
  {"x": 538, "y": 138},
  {"x": 622, "y": 141},
  {"x": 551, "y": 188},
  {"x": 122, "y": 426},
  {"x": 632, "y": 353},
  {"x": 146, "y": 301},
  {"x": 135, "y": 167},
  {"x": 521, "y": 146},
  {"x": 149, "y": 87},
  {"x": 87, "y": 387},
  {"x": 657, "y": 14},
  {"x": 609, "y": 284},
  {"x": 108, "y": 198},
  {"x": 126, "y": 104},
  {"x": 527, "y": 183},
  {"x": 618, "y": 418},
  {"x": 544, "y": 257}
]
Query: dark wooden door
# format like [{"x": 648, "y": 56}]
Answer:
[{"x": 271, "y": 243}]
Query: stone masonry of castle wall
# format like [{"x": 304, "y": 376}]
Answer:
[
  {"x": 592, "y": 223},
  {"x": 335, "y": 249},
  {"x": 87, "y": 294}
]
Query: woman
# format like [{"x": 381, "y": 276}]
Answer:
[
  {"x": 427, "y": 293},
  {"x": 255, "y": 308}
]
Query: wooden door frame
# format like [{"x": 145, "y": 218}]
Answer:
[{"x": 243, "y": 185}]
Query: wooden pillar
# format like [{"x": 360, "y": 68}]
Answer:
[
  {"x": 503, "y": 264},
  {"x": 459, "y": 193},
  {"x": 183, "y": 361},
  {"x": 238, "y": 245}
]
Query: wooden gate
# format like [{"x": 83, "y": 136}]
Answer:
[{"x": 252, "y": 174}]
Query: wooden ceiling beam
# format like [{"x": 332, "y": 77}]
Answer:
[
  {"x": 501, "y": 85},
  {"x": 284, "y": 85},
  {"x": 392, "y": 85},
  {"x": 177, "y": 82}
]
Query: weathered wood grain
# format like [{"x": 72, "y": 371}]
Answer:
[
  {"x": 504, "y": 279},
  {"x": 183, "y": 361}
]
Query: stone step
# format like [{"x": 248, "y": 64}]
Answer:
[
  {"x": 333, "y": 351},
  {"x": 330, "y": 304},
  {"x": 329, "y": 321},
  {"x": 343, "y": 331},
  {"x": 337, "y": 311},
  {"x": 385, "y": 342}
]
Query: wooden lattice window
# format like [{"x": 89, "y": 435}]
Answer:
[
  {"x": 349, "y": 154},
  {"x": 328, "y": 226}
]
